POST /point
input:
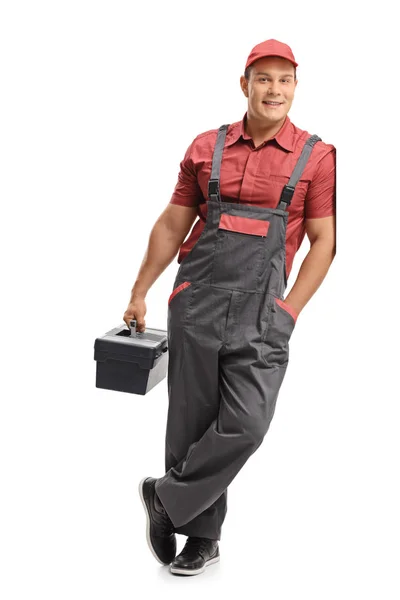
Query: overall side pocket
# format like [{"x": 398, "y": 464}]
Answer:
[
  {"x": 179, "y": 304},
  {"x": 287, "y": 308},
  {"x": 281, "y": 325},
  {"x": 178, "y": 289}
]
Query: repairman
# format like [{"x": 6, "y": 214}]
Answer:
[{"x": 258, "y": 186}]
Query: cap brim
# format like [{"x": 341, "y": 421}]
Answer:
[{"x": 294, "y": 63}]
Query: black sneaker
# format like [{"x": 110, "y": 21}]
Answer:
[
  {"x": 160, "y": 529},
  {"x": 196, "y": 555}
]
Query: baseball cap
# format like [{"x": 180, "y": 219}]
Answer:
[{"x": 271, "y": 48}]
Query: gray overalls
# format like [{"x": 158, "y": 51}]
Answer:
[{"x": 228, "y": 334}]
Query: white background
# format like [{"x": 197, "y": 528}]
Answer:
[{"x": 93, "y": 94}]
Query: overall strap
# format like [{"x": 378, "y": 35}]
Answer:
[
  {"x": 213, "y": 183},
  {"x": 288, "y": 190}
]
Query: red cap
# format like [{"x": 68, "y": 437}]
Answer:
[{"x": 271, "y": 48}]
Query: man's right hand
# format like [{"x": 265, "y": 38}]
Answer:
[{"x": 136, "y": 310}]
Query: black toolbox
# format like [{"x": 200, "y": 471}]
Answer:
[{"x": 130, "y": 361}]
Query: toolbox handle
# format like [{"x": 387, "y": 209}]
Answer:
[{"x": 132, "y": 327}]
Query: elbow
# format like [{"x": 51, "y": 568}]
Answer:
[{"x": 326, "y": 245}]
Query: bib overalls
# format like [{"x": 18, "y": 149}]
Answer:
[{"x": 228, "y": 334}]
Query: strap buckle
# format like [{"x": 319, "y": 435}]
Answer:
[
  {"x": 287, "y": 194},
  {"x": 213, "y": 187}
]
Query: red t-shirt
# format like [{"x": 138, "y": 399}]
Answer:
[{"x": 252, "y": 175}]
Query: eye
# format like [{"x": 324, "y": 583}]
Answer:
[{"x": 264, "y": 79}]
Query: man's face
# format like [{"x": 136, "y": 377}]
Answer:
[{"x": 271, "y": 78}]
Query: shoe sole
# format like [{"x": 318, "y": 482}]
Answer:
[
  {"x": 180, "y": 571},
  {"x": 148, "y": 523}
]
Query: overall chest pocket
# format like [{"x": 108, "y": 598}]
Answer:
[
  {"x": 245, "y": 225},
  {"x": 239, "y": 251}
]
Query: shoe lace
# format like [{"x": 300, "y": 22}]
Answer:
[
  {"x": 167, "y": 525},
  {"x": 195, "y": 543}
]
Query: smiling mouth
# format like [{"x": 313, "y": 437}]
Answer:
[{"x": 272, "y": 104}]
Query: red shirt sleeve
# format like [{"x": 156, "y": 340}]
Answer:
[
  {"x": 187, "y": 191},
  {"x": 320, "y": 200}
]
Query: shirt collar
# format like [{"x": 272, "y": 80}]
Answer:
[{"x": 284, "y": 137}]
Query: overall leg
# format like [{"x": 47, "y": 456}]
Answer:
[
  {"x": 193, "y": 392},
  {"x": 251, "y": 370}
]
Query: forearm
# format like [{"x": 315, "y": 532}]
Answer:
[
  {"x": 162, "y": 247},
  {"x": 311, "y": 274}
]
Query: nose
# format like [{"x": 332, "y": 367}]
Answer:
[{"x": 274, "y": 88}]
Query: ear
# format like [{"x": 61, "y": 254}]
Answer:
[{"x": 244, "y": 85}]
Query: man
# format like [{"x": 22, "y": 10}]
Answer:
[{"x": 258, "y": 186}]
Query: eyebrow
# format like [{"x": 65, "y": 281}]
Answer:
[{"x": 261, "y": 73}]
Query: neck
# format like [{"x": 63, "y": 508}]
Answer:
[{"x": 262, "y": 131}]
